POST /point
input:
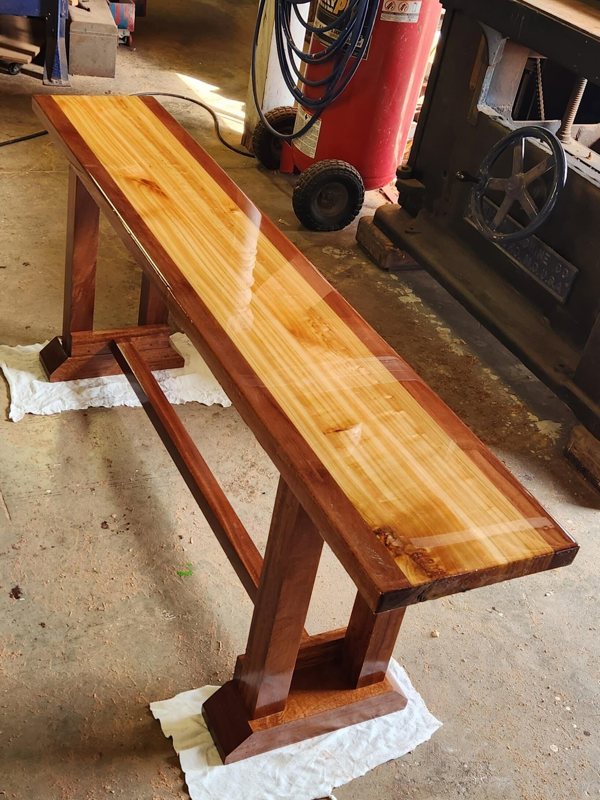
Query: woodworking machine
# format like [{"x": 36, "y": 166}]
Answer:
[{"x": 500, "y": 199}]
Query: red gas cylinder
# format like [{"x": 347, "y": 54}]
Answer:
[
  {"x": 368, "y": 125},
  {"x": 358, "y": 140}
]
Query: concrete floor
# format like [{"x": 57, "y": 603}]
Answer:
[{"x": 95, "y": 521}]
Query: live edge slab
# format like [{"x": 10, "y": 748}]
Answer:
[{"x": 371, "y": 461}]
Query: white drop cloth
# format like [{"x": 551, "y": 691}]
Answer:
[
  {"x": 305, "y": 771},
  {"x": 32, "y": 393}
]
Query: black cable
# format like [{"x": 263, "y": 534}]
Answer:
[
  {"x": 356, "y": 22},
  {"x": 257, "y": 103},
  {"x": 23, "y": 138},
  {"x": 361, "y": 24},
  {"x": 156, "y": 94},
  {"x": 355, "y": 13},
  {"x": 207, "y": 108},
  {"x": 337, "y": 23},
  {"x": 334, "y": 82}
]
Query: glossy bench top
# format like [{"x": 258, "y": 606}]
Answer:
[{"x": 349, "y": 424}]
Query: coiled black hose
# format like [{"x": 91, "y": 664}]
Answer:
[{"x": 353, "y": 24}]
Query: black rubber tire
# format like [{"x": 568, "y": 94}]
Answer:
[
  {"x": 14, "y": 69},
  {"x": 266, "y": 146},
  {"x": 328, "y": 195}
]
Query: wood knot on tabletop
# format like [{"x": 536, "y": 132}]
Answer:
[{"x": 418, "y": 555}]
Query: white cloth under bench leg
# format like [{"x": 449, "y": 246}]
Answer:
[{"x": 307, "y": 770}]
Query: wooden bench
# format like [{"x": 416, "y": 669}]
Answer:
[{"x": 371, "y": 460}]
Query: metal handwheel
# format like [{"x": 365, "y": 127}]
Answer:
[{"x": 516, "y": 187}]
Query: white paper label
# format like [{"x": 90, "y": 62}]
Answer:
[
  {"x": 400, "y": 11},
  {"x": 307, "y": 143}
]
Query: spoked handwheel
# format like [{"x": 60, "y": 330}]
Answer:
[{"x": 516, "y": 188}]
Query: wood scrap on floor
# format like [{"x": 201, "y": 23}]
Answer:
[{"x": 18, "y": 40}]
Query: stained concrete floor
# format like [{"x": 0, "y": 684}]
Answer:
[{"x": 95, "y": 522}]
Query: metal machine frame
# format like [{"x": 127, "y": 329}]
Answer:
[{"x": 540, "y": 296}]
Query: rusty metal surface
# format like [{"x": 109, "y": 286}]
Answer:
[{"x": 540, "y": 298}]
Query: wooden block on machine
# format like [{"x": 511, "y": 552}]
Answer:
[
  {"x": 380, "y": 249},
  {"x": 18, "y": 37}
]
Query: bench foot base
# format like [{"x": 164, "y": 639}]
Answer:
[
  {"x": 91, "y": 357},
  {"x": 318, "y": 703}
]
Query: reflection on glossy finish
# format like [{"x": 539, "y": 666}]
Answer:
[{"x": 423, "y": 496}]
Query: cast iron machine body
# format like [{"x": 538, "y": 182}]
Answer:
[{"x": 512, "y": 228}]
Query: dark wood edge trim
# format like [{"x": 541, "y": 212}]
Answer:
[
  {"x": 465, "y": 581},
  {"x": 523, "y": 501}
]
